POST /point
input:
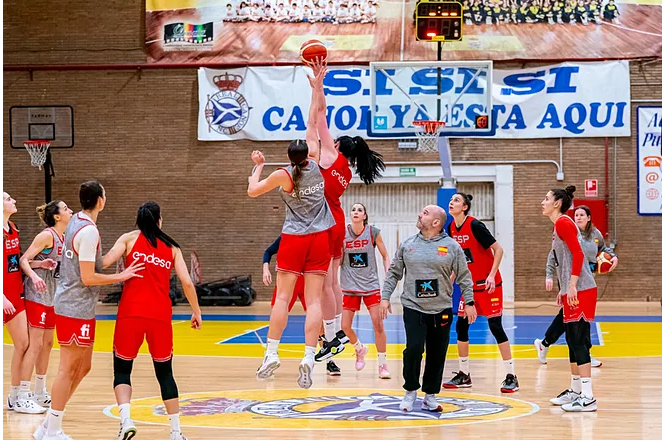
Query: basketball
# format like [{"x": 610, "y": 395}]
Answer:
[
  {"x": 310, "y": 50},
  {"x": 604, "y": 263}
]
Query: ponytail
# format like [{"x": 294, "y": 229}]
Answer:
[
  {"x": 147, "y": 221},
  {"x": 297, "y": 152},
  {"x": 297, "y": 174},
  {"x": 369, "y": 164},
  {"x": 48, "y": 211}
]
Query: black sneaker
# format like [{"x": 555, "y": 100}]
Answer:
[
  {"x": 342, "y": 337},
  {"x": 332, "y": 369},
  {"x": 510, "y": 384},
  {"x": 460, "y": 380},
  {"x": 329, "y": 349}
]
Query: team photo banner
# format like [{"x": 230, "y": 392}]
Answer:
[{"x": 555, "y": 101}]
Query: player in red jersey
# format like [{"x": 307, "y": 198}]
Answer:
[
  {"x": 483, "y": 254},
  {"x": 40, "y": 286},
  {"x": 336, "y": 157},
  {"x": 145, "y": 312},
  {"x": 13, "y": 313}
]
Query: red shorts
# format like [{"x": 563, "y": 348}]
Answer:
[
  {"x": 336, "y": 238},
  {"x": 298, "y": 293},
  {"x": 130, "y": 332},
  {"x": 489, "y": 305},
  {"x": 18, "y": 304},
  {"x": 73, "y": 330},
  {"x": 39, "y": 315},
  {"x": 304, "y": 254},
  {"x": 588, "y": 300},
  {"x": 353, "y": 303}
]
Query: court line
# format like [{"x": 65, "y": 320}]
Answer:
[
  {"x": 244, "y": 333},
  {"x": 599, "y": 330},
  {"x": 625, "y": 28}
]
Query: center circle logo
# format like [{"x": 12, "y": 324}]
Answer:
[{"x": 324, "y": 409}]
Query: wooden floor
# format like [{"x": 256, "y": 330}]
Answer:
[
  {"x": 221, "y": 399},
  {"x": 638, "y": 35}
]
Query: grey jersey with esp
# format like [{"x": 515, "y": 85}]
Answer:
[
  {"x": 74, "y": 299},
  {"x": 50, "y": 277},
  {"x": 563, "y": 262},
  {"x": 309, "y": 213},
  {"x": 358, "y": 272}
]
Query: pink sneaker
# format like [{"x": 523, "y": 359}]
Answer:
[
  {"x": 360, "y": 358},
  {"x": 383, "y": 372}
]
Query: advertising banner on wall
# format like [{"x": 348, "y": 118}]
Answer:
[{"x": 649, "y": 160}]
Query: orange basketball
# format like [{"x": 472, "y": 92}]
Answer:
[
  {"x": 604, "y": 263},
  {"x": 310, "y": 50}
]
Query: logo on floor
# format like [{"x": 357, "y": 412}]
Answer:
[{"x": 308, "y": 409}]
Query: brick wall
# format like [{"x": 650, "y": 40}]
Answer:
[{"x": 137, "y": 135}]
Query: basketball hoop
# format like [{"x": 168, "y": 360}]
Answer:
[
  {"x": 37, "y": 150},
  {"x": 427, "y": 132}
]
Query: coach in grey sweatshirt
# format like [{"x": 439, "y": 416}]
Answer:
[{"x": 427, "y": 260}]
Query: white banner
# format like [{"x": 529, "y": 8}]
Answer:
[
  {"x": 271, "y": 103},
  {"x": 649, "y": 160}
]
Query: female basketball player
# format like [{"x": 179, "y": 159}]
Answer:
[
  {"x": 359, "y": 281},
  {"x": 76, "y": 298},
  {"x": 40, "y": 288},
  {"x": 304, "y": 247},
  {"x": 145, "y": 312},
  {"x": 593, "y": 244},
  {"x": 336, "y": 157},
  {"x": 578, "y": 296},
  {"x": 13, "y": 313},
  {"x": 483, "y": 254}
]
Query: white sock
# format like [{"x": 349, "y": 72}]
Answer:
[
  {"x": 309, "y": 352},
  {"x": 464, "y": 365},
  {"x": 54, "y": 424},
  {"x": 13, "y": 393},
  {"x": 174, "y": 422},
  {"x": 381, "y": 357},
  {"x": 272, "y": 346},
  {"x": 587, "y": 388},
  {"x": 510, "y": 366},
  {"x": 39, "y": 383},
  {"x": 125, "y": 411},
  {"x": 357, "y": 345},
  {"x": 338, "y": 320},
  {"x": 24, "y": 389},
  {"x": 576, "y": 384},
  {"x": 330, "y": 329}
]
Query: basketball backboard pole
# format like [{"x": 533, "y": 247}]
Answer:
[{"x": 48, "y": 173}]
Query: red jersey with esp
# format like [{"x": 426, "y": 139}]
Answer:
[
  {"x": 336, "y": 180},
  {"x": 475, "y": 240},
  {"x": 12, "y": 283},
  {"x": 149, "y": 296}
]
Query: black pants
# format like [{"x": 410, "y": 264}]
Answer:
[
  {"x": 429, "y": 333},
  {"x": 578, "y": 335},
  {"x": 557, "y": 328}
]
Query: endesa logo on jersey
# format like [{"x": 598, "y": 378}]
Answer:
[
  {"x": 341, "y": 179},
  {"x": 311, "y": 190},
  {"x": 151, "y": 259}
]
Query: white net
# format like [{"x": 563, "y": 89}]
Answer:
[
  {"x": 427, "y": 133},
  {"x": 37, "y": 151}
]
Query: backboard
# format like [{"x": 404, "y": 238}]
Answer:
[
  {"x": 456, "y": 92},
  {"x": 52, "y": 123}
]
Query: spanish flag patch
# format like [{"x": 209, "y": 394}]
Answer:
[
  {"x": 494, "y": 299},
  {"x": 596, "y": 240},
  {"x": 442, "y": 251},
  {"x": 444, "y": 317}
]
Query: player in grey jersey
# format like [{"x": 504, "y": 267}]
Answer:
[
  {"x": 40, "y": 286},
  {"x": 360, "y": 282}
]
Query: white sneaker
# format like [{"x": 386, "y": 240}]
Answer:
[
  {"x": 430, "y": 403},
  {"x": 408, "y": 400},
  {"x": 57, "y": 436},
  {"x": 582, "y": 403},
  {"x": 176, "y": 435},
  {"x": 40, "y": 432},
  {"x": 306, "y": 372},
  {"x": 595, "y": 363},
  {"x": 269, "y": 365},
  {"x": 28, "y": 406},
  {"x": 10, "y": 402},
  {"x": 542, "y": 351},
  {"x": 42, "y": 399},
  {"x": 566, "y": 397},
  {"x": 127, "y": 430}
]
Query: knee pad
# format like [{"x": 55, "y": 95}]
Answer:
[
  {"x": 496, "y": 327},
  {"x": 122, "y": 371},
  {"x": 462, "y": 329},
  {"x": 578, "y": 342},
  {"x": 163, "y": 371}
]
